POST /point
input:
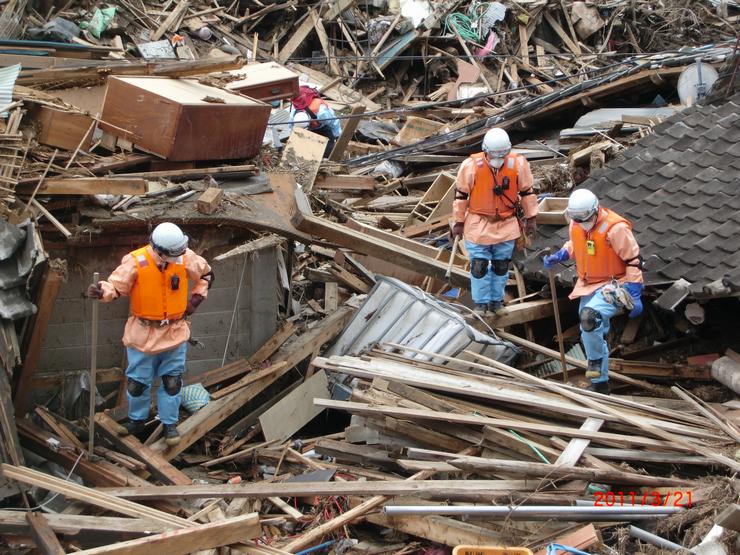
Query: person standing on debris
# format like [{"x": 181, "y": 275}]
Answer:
[
  {"x": 156, "y": 278},
  {"x": 311, "y": 112},
  {"x": 494, "y": 203},
  {"x": 609, "y": 271}
]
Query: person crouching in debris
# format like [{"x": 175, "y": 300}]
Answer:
[
  {"x": 609, "y": 271},
  {"x": 156, "y": 279},
  {"x": 311, "y": 112},
  {"x": 494, "y": 202}
]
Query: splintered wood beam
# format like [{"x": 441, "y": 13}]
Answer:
[
  {"x": 189, "y": 540},
  {"x": 90, "y": 186},
  {"x": 130, "y": 445},
  {"x": 43, "y": 536},
  {"x": 95, "y": 497},
  {"x": 349, "y": 127},
  {"x": 171, "y": 19},
  {"x": 521, "y": 313},
  {"x": 14, "y": 522},
  {"x": 51, "y": 283}
]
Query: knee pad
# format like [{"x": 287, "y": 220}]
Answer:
[
  {"x": 479, "y": 267},
  {"x": 590, "y": 319},
  {"x": 172, "y": 384},
  {"x": 135, "y": 388},
  {"x": 501, "y": 267}
]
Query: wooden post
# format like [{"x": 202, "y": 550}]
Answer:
[
  {"x": 558, "y": 327},
  {"x": 93, "y": 365}
]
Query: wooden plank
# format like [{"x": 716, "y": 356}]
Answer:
[
  {"x": 431, "y": 489},
  {"x": 286, "y": 330},
  {"x": 95, "y": 497},
  {"x": 520, "y": 313},
  {"x": 51, "y": 282},
  {"x": 176, "y": 542},
  {"x": 370, "y": 244},
  {"x": 474, "y": 420},
  {"x": 210, "y": 200},
  {"x": 331, "y": 296},
  {"x": 130, "y": 445},
  {"x": 296, "y": 410},
  {"x": 646, "y": 456},
  {"x": 89, "y": 186},
  {"x": 43, "y": 536},
  {"x": 480, "y": 465},
  {"x": 250, "y": 378},
  {"x": 303, "y": 154},
  {"x": 346, "y": 182},
  {"x": 348, "y": 279},
  {"x": 577, "y": 446},
  {"x": 324, "y": 40},
  {"x": 200, "y": 423},
  {"x": 170, "y": 20},
  {"x": 348, "y": 131},
  {"x": 569, "y": 44},
  {"x": 14, "y": 522}
]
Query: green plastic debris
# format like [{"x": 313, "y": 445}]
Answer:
[{"x": 100, "y": 21}]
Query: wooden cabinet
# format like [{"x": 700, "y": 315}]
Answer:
[
  {"x": 267, "y": 82},
  {"x": 182, "y": 119}
]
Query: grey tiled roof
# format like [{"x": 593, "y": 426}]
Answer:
[{"x": 680, "y": 187}]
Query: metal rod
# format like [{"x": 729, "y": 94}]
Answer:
[
  {"x": 663, "y": 543},
  {"x": 93, "y": 366},
  {"x": 558, "y": 327},
  {"x": 528, "y": 510}
]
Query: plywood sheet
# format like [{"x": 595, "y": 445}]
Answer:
[
  {"x": 303, "y": 154},
  {"x": 296, "y": 410}
]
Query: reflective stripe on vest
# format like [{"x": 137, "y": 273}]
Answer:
[
  {"x": 152, "y": 297},
  {"x": 314, "y": 107},
  {"x": 483, "y": 200},
  {"x": 596, "y": 260}
]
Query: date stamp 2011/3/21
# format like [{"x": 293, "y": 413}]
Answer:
[{"x": 653, "y": 498}]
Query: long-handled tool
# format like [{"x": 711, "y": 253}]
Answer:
[
  {"x": 558, "y": 327},
  {"x": 93, "y": 366},
  {"x": 448, "y": 273}
]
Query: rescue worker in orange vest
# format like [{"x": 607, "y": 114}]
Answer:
[
  {"x": 493, "y": 193},
  {"x": 165, "y": 282},
  {"x": 311, "y": 112},
  {"x": 609, "y": 271}
]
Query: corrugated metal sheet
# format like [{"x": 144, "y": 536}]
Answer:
[
  {"x": 395, "y": 312},
  {"x": 8, "y": 75}
]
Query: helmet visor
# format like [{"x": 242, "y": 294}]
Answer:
[
  {"x": 173, "y": 251},
  {"x": 580, "y": 216}
]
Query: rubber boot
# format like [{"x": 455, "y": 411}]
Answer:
[
  {"x": 171, "y": 435},
  {"x": 495, "y": 306},
  {"x": 599, "y": 387},
  {"x": 131, "y": 427},
  {"x": 594, "y": 368},
  {"x": 481, "y": 309}
]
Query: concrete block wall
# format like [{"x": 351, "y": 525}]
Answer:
[{"x": 254, "y": 312}]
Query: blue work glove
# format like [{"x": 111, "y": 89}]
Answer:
[
  {"x": 552, "y": 259},
  {"x": 635, "y": 291}
]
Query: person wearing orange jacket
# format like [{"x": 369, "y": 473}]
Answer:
[
  {"x": 165, "y": 282},
  {"x": 493, "y": 192},
  {"x": 607, "y": 261}
]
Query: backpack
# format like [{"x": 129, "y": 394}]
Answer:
[{"x": 305, "y": 96}]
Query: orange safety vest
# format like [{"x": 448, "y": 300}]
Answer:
[
  {"x": 152, "y": 296},
  {"x": 314, "y": 107},
  {"x": 596, "y": 260},
  {"x": 483, "y": 199}
]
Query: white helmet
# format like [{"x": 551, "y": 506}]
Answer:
[
  {"x": 496, "y": 143},
  {"x": 582, "y": 205},
  {"x": 301, "y": 119},
  {"x": 168, "y": 240}
]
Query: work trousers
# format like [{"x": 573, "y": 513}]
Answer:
[
  {"x": 144, "y": 368},
  {"x": 490, "y": 287},
  {"x": 594, "y": 341}
]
